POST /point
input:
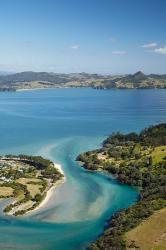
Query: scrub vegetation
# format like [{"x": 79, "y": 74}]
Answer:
[{"x": 138, "y": 160}]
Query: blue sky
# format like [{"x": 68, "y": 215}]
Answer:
[{"x": 101, "y": 36}]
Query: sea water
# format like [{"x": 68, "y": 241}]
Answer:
[{"x": 59, "y": 124}]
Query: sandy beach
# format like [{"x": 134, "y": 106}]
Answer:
[
  {"x": 50, "y": 191},
  {"x": 59, "y": 167},
  {"x": 29, "y": 89}
]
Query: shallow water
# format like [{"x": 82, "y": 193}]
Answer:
[{"x": 59, "y": 124}]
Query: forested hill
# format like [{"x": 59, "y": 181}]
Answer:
[
  {"x": 138, "y": 160},
  {"x": 34, "y": 80}
]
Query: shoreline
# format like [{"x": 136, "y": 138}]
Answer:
[
  {"x": 55, "y": 87},
  {"x": 148, "y": 200},
  {"x": 31, "y": 89},
  {"x": 50, "y": 190},
  {"x": 59, "y": 167}
]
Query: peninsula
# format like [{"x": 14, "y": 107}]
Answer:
[
  {"x": 138, "y": 160},
  {"x": 25, "y": 181}
]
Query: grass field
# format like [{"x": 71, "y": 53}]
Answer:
[
  {"x": 33, "y": 185},
  {"x": 150, "y": 234},
  {"x": 158, "y": 154},
  {"x": 6, "y": 191}
]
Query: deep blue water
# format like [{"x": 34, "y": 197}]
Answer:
[{"x": 59, "y": 124}]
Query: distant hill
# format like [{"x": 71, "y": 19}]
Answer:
[
  {"x": 30, "y": 79},
  {"x": 163, "y": 77},
  {"x": 137, "y": 80},
  {"x": 30, "y": 76}
]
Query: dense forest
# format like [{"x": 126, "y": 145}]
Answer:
[{"x": 138, "y": 160}]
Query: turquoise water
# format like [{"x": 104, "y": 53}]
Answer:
[{"x": 59, "y": 124}]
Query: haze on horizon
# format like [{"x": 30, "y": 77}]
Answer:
[{"x": 108, "y": 36}]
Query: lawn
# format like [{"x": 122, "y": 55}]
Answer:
[
  {"x": 158, "y": 154},
  {"x": 33, "y": 185},
  {"x": 150, "y": 234},
  {"x": 6, "y": 191}
]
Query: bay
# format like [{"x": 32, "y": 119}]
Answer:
[{"x": 59, "y": 124}]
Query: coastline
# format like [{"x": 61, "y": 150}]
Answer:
[
  {"x": 29, "y": 89},
  {"x": 133, "y": 172},
  {"x": 59, "y": 167},
  {"x": 50, "y": 190}
]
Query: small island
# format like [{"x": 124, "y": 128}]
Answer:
[
  {"x": 138, "y": 160},
  {"x": 26, "y": 180}
]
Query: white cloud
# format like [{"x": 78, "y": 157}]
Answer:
[
  {"x": 149, "y": 45},
  {"x": 154, "y": 49},
  {"x": 161, "y": 50},
  {"x": 119, "y": 52},
  {"x": 75, "y": 46}
]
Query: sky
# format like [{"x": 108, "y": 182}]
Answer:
[{"x": 94, "y": 36}]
